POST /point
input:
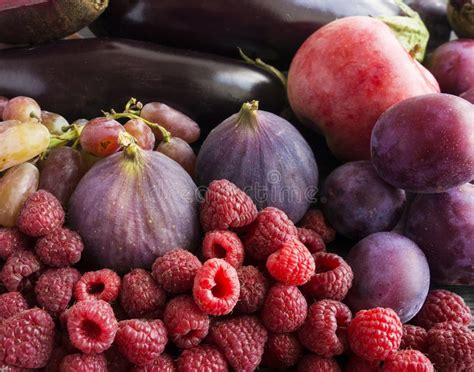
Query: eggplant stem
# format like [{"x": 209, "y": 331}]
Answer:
[{"x": 265, "y": 66}]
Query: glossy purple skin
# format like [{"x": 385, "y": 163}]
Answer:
[
  {"x": 452, "y": 64},
  {"x": 270, "y": 161},
  {"x": 391, "y": 271},
  {"x": 424, "y": 144},
  {"x": 443, "y": 227},
  {"x": 357, "y": 202},
  {"x": 468, "y": 95},
  {"x": 128, "y": 215}
]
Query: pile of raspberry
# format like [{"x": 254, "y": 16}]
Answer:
[{"x": 260, "y": 293}]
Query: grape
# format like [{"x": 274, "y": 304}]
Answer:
[
  {"x": 80, "y": 122},
  {"x": 357, "y": 202},
  {"x": 424, "y": 144},
  {"x": 3, "y": 103},
  {"x": 60, "y": 173},
  {"x": 22, "y": 109},
  {"x": 443, "y": 226},
  {"x": 100, "y": 137},
  {"x": 468, "y": 95},
  {"x": 141, "y": 132},
  {"x": 54, "y": 122},
  {"x": 180, "y": 151},
  {"x": 20, "y": 142},
  {"x": 15, "y": 186},
  {"x": 391, "y": 271},
  {"x": 177, "y": 123}
]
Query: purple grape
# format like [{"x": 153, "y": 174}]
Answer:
[
  {"x": 443, "y": 226},
  {"x": 391, "y": 271},
  {"x": 357, "y": 202},
  {"x": 468, "y": 95},
  {"x": 180, "y": 151}
]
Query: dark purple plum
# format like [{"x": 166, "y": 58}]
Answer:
[
  {"x": 390, "y": 270},
  {"x": 443, "y": 226},
  {"x": 425, "y": 144},
  {"x": 468, "y": 95},
  {"x": 357, "y": 202}
]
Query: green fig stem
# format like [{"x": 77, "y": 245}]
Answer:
[
  {"x": 248, "y": 114},
  {"x": 269, "y": 68},
  {"x": 130, "y": 146}
]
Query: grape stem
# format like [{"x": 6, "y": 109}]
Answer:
[{"x": 73, "y": 134}]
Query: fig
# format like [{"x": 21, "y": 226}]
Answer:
[{"x": 461, "y": 17}]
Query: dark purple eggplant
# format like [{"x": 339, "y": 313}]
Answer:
[{"x": 79, "y": 78}]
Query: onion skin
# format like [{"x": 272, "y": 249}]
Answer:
[{"x": 130, "y": 210}]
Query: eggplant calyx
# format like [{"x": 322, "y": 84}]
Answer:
[
  {"x": 265, "y": 66},
  {"x": 247, "y": 115}
]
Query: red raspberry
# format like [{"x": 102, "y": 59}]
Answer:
[
  {"x": 201, "y": 358},
  {"x": 54, "y": 289},
  {"x": 187, "y": 325},
  {"x": 325, "y": 330},
  {"x": 374, "y": 334},
  {"x": 443, "y": 306},
  {"x": 26, "y": 339},
  {"x": 164, "y": 363},
  {"x": 242, "y": 340},
  {"x": 332, "y": 279},
  {"x": 175, "y": 270},
  {"x": 6, "y": 368},
  {"x": 253, "y": 289},
  {"x": 20, "y": 271},
  {"x": 12, "y": 240},
  {"x": 60, "y": 248},
  {"x": 55, "y": 360},
  {"x": 413, "y": 338},
  {"x": 216, "y": 287},
  {"x": 284, "y": 309},
  {"x": 223, "y": 244},
  {"x": 314, "y": 220},
  {"x": 11, "y": 303},
  {"x": 282, "y": 351},
  {"x": 226, "y": 206},
  {"x": 450, "y": 347},
  {"x": 141, "y": 297},
  {"x": 357, "y": 364},
  {"x": 41, "y": 214},
  {"x": 315, "y": 363},
  {"x": 407, "y": 360},
  {"x": 141, "y": 341},
  {"x": 269, "y": 231},
  {"x": 84, "y": 363},
  {"x": 98, "y": 285},
  {"x": 311, "y": 240},
  {"x": 292, "y": 264},
  {"x": 92, "y": 326}
]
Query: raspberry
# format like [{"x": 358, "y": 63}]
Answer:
[
  {"x": 141, "y": 297},
  {"x": 374, "y": 334},
  {"x": 98, "y": 285},
  {"x": 443, "y": 306},
  {"x": 60, "y": 248},
  {"x": 226, "y": 206},
  {"x": 175, "y": 270},
  {"x": 54, "y": 289},
  {"x": 12, "y": 240},
  {"x": 413, "y": 338},
  {"x": 20, "y": 271},
  {"x": 187, "y": 325},
  {"x": 41, "y": 214},
  {"x": 141, "y": 341},
  {"x": 269, "y": 231},
  {"x": 11, "y": 303},
  {"x": 26, "y": 339},
  {"x": 311, "y": 240},
  {"x": 292, "y": 264},
  {"x": 407, "y": 360},
  {"x": 223, "y": 244},
  {"x": 314, "y": 220},
  {"x": 282, "y": 351},
  {"x": 242, "y": 340},
  {"x": 201, "y": 358},
  {"x": 450, "y": 347},
  {"x": 164, "y": 363},
  {"x": 332, "y": 279},
  {"x": 84, "y": 363},
  {"x": 315, "y": 363},
  {"x": 253, "y": 289},
  {"x": 216, "y": 287},
  {"x": 284, "y": 309},
  {"x": 357, "y": 364},
  {"x": 55, "y": 360},
  {"x": 7, "y": 368},
  {"x": 92, "y": 326}
]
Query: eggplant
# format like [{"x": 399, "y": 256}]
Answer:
[{"x": 79, "y": 78}]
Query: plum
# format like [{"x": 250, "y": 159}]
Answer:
[
  {"x": 346, "y": 75},
  {"x": 443, "y": 226},
  {"x": 390, "y": 270},
  {"x": 425, "y": 144},
  {"x": 357, "y": 202},
  {"x": 468, "y": 95}
]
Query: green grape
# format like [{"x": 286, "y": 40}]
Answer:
[
  {"x": 54, "y": 122},
  {"x": 22, "y": 109}
]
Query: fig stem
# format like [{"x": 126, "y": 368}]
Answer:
[
  {"x": 129, "y": 145},
  {"x": 248, "y": 114},
  {"x": 269, "y": 68}
]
